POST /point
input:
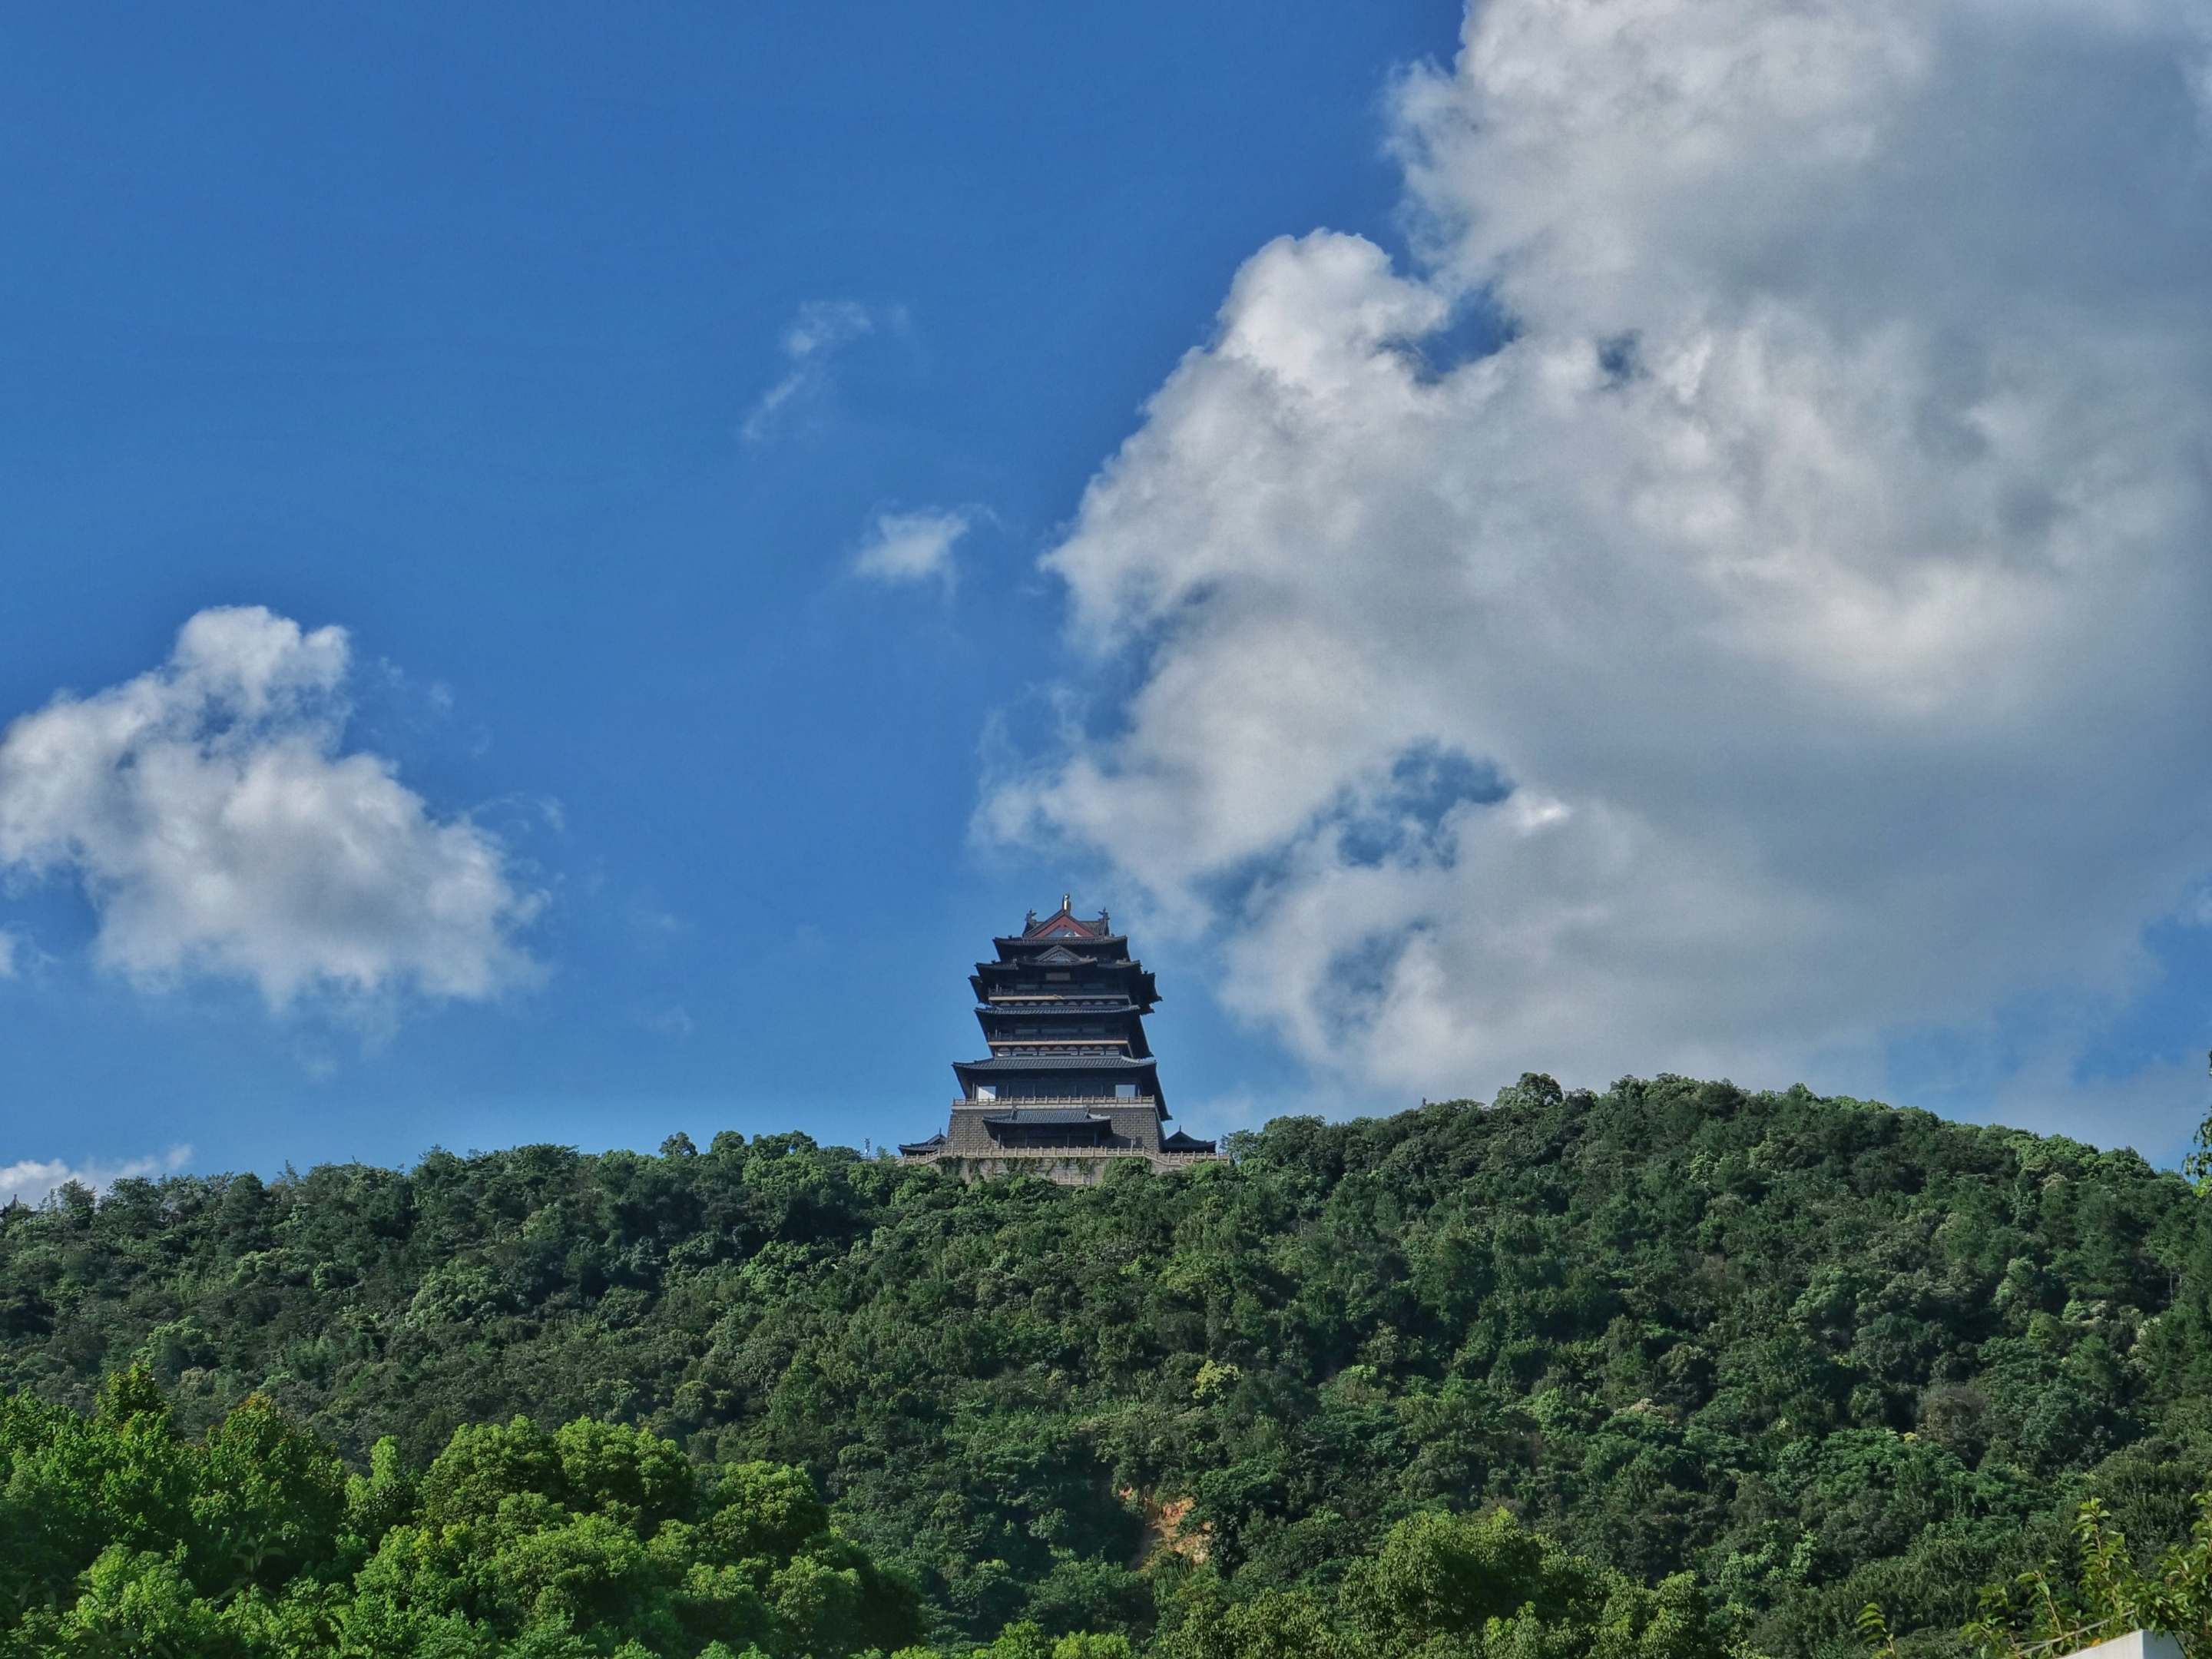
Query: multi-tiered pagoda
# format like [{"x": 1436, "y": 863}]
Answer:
[{"x": 1071, "y": 1083}]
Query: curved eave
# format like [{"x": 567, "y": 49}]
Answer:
[{"x": 1128, "y": 978}]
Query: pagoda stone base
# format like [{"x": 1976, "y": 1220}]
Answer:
[
  {"x": 1068, "y": 1140},
  {"x": 1070, "y": 1166}
]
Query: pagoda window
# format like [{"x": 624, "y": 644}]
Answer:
[{"x": 986, "y": 1091}]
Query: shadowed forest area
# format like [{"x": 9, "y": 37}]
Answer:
[{"x": 1682, "y": 1368}]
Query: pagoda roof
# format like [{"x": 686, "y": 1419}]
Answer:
[
  {"x": 1063, "y": 1008},
  {"x": 1112, "y": 1002},
  {"x": 1058, "y": 957},
  {"x": 1109, "y": 952},
  {"x": 1035, "y": 1115},
  {"x": 1064, "y": 923},
  {"x": 1120, "y": 975},
  {"x": 1056, "y": 1063}
]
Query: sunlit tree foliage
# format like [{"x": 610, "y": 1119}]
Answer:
[{"x": 1812, "y": 1352}]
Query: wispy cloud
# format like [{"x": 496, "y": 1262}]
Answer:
[
  {"x": 822, "y": 327},
  {"x": 30, "y": 1181},
  {"x": 915, "y": 547},
  {"x": 674, "y": 1021}
]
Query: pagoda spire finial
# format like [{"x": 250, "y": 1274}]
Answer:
[{"x": 1067, "y": 902}]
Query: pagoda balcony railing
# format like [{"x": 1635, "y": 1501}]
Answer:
[
  {"x": 1067, "y": 1044},
  {"x": 1004, "y": 1101}
]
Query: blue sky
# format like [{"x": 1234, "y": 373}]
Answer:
[
  {"x": 572, "y": 360},
  {"x": 442, "y": 326}
]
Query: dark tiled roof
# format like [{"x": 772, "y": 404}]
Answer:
[
  {"x": 1028, "y": 1114},
  {"x": 1066, "y": 919},
  {"x": 1061, "y": 1011},
  {"x": 1055, "y": 1063}
]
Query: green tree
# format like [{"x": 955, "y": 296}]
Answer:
[
  {"x": 124, "y": 1537},
  {"x": 1445, "y": 1586},
  {"x": 1816, "y": 1351}
]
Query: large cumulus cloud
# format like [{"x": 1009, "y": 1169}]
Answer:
[
  {"x": 1795, "y": 631},
  {"x": 217, "y": 827}
]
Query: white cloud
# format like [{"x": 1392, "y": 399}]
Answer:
[
  {"x": 31, "y": 1180},
  {"x": 1795, "y": 629},
  {"x": 914, "y": 547},
  {"x": 217, "y": 828},
  {"x": 821, "y": 328},
  {"x": 670, "y": 1022}
]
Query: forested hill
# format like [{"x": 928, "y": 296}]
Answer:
[{"x": 1818, "y": 1351}]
